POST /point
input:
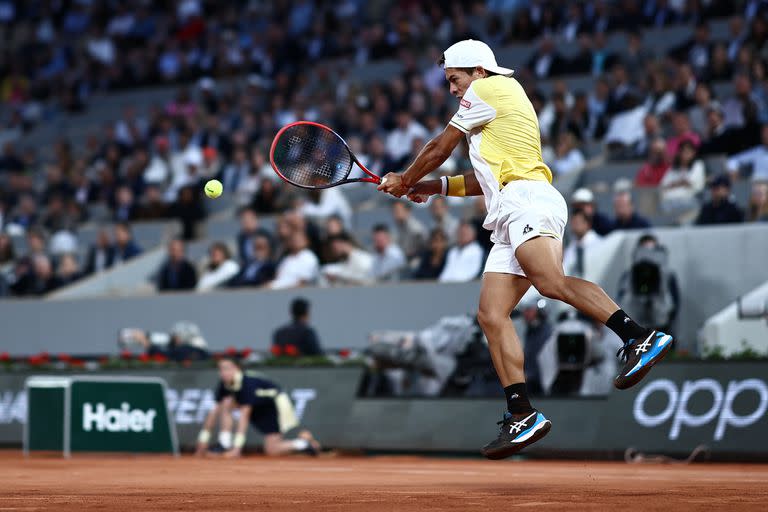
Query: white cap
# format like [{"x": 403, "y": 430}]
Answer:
[
  {"x": 583, "y": 195},
  {"x": 470, "y": 53}
]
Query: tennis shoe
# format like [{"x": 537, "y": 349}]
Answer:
[
  {"x": 640, "y": 356},
  {"x": 516, "y": 432}
]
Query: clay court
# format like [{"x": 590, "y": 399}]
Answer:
[{"x": 371, "y": 484}]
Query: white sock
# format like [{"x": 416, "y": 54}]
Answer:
[
  {"x": 225, "y": 440},
  {"x": 300, "y": 444}
]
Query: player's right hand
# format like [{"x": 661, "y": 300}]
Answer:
[{"x": 420, "y": 192}]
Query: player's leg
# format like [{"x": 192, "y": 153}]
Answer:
[
  {"x": 541, "y": 259},
  {"x": 501, "y": 291},
  {"x": 278, "y": 418},
  {"x": 276, "y": 444},
  {"x": 499, "y": 295}
]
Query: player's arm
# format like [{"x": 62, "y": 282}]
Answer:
[
  {"x": 205, "y": 433},
  {"x": 242, "y": 428},
  {"x": 431, "y": 156},
  {"x": 462, "y": 185}
]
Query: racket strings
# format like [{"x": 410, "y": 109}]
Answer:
[{"x": 312, "y": 156}]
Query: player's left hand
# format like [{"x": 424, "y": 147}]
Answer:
[
  {"x": 234, "y": 453},
  {"x": 393, "y": 184}
]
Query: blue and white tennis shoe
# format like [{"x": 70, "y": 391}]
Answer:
[{"x": 639, "y": 357}]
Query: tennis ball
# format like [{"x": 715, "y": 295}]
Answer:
[{"x": 213, "y": 188}]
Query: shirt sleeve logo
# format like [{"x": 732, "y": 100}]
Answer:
[{"x": 464, "y": 103}]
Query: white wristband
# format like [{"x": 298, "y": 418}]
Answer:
[{"x": 444, "y": 184}]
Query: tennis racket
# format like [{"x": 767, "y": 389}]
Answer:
[{"x": 311, "y": 155}]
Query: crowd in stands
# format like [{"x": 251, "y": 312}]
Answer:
[{"x": 149, "y": 165}]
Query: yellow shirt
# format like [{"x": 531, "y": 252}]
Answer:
[{"x": 503, "y": 134}]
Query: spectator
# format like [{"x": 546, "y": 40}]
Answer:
[
  {"x": 237, "y": 171},
  {"x": 249, "y": 229},
  {"x": 125, "y": 205},
  {"x": 442, "y": 217},
  {"x": 269, "y": 198},
  {"x": 152, "y": 206},
  {"x": 697, "y": 51},
  {"x": 698, "y": 113},
  {"x": 651, "y": 132},
  {"x": 220, "y": 269},
  {"x": 682, "y": 184},
  {"x": 26, "y": 214},
  {"x": 299, "y": 267},
  {"x": 38, "y": 280},
  {"x": 682, "y": 132},
  {"x": 161, "y": 166},
  {"x": 756, "y": 158},
  {"x": 388, "y": 258},
  {"x": 624, "y": 210},
  {"x": 758, "y": 205},
  {"x": 569, "y": 158},
  {"x": 333, "y": 226},
  {"x": 101, "y": 255},
  {"x": 68, "y": 270},
  {"x": 580, "y": 249},
  {"x": 324, "y": 203},
  {"x": 410, "y": 233},
  {"x": 718, "y": 137},
  {"x": 189, "y": 210},
  {"x": 125, "y": 247},
  {"x": 400, "y": 140},
  {"x": 432, "y": 260},
  {"x": 298, "y": 333},
  {"x": 546, "y": 62},
  {"x": 737, "y": 108},
  {"x": 177, "y": 273},
  {"x": 351, "y": 265},
  {"x": 35, "y": 242},
  {"x": 584, "y": 199},
  {"x": 7, "y": 263},
  {"x": 464, "y": 261},
  {"x": 655, "y": 167},
  {"x": 260, "y": 268},
  {"x": 720, "y": 209}
]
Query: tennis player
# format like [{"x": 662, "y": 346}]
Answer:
[
  {"x": 262, "y": 404},
  {"x": 527, "y": 217}
]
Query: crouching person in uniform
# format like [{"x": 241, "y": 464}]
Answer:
[{"x": 262, "y": 404}]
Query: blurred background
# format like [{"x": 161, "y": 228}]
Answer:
[{"x": 654, "y": 120}]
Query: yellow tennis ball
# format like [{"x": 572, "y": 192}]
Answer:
[{"x": 213, "y": 188}]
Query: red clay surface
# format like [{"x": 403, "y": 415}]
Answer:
[{"x": 255, "y": 483}]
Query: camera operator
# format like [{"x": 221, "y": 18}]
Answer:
[
  {"x": 649, "y": 290},
  {"x": 184, "y": 342}
]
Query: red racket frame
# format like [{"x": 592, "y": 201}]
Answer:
[{"x": 373, "y": 178}]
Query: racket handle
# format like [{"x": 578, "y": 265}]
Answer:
[{"x": 383, "y": 181}]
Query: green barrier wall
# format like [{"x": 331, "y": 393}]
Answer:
[{"x": 676, "y": 408}]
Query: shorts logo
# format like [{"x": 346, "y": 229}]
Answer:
[
  {"x": 527, "y": 229},
  {"x": 464, "y": 103}
]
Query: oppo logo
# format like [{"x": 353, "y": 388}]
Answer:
[{"x": 720, "y": 410}]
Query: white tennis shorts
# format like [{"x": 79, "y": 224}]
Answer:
[{"x": 525, "y": 210}]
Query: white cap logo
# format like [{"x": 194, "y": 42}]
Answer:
[{"x": 470, "y": 53}]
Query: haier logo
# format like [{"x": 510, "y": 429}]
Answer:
[
  {"x": 720, "y": 410},
  {"x": 123, "y": 419}
]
